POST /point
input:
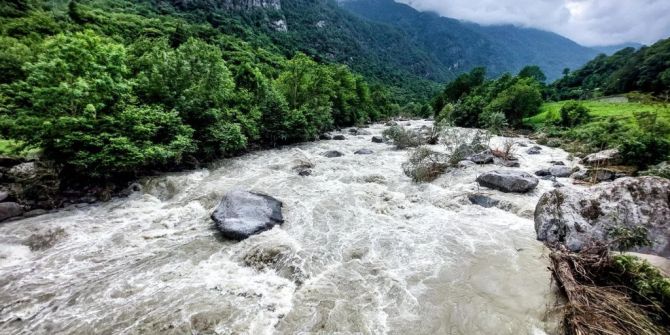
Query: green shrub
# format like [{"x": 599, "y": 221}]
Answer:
[
  {"x": 573, "y": 114},
  {"x": 644, "y": 150},
  {"x": 660, "y": 170},
  {"x": 402, "y": 138},
  {"x": 425, "y": 165},
  {"x": 648, "y": 283}
]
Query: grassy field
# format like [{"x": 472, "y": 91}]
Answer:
[{"x": 601, "y": 110}]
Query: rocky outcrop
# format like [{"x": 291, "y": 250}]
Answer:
[
  {"x": 604, "y": 158},
  {"x": 576, "y": 218},
  {"x": 227, "y": 4},
  {"x": 241, "y": 214},
  {"x": 508, "y": 181}
]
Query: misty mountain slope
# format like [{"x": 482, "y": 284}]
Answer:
[{"x": 462, "y": 46}]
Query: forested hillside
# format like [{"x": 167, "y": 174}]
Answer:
[
  {"x": 644, "y": 70},
  {"x": 463, "y": 46},
  {"x": 114, "y": 88}
]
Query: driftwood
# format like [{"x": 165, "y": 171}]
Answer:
[{"x": 593, "y": 308}]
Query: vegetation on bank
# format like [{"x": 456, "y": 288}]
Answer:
[{"x": 117, "y": 92}]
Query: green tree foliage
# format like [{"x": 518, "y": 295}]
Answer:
[
  {"x": 644, "y": 70},
  {"x": 135, "y": 90},
  {"x": 572, "y": 114},
  {"x": 470, "y": 100},
  {"x": 534, "y": 72}
]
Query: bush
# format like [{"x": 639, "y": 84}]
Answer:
[
  {"x": 660, "y": 170},
  {"x": 645, "y": 150},
  {"x": 522, "y": 99},
  {"x": 425, "y": 165},
  {"x": 573, "y": 114},
  {"x": 402, "y": 138}
]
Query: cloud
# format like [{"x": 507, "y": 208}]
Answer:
[{"x": 589, "y": 22}]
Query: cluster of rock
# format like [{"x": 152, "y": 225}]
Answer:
[{"x": 27, "y": 188}]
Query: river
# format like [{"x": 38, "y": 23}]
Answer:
[{"x": 363, "y": 251}]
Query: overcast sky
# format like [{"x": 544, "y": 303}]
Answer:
[{"x": 589, "y": 22}]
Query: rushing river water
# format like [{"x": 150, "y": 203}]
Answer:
[{"x": 363, "y": 251}]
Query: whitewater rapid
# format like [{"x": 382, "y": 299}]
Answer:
[{"x": 363, "y": 251}]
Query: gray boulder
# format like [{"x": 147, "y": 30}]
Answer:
[
  {"x": 10, "y": 210},
  {"x": 364, "y": 152},
  {"x": 604, "y": 158},
  {"x": 534, "y": 150},
  {"x": 510, "y": 164},
  {"x": 560, "y": 171},
  {"x": 466, "y": 163},
  {"x": 325, "y": 137},
  {"x": 332, "y": 154},
  {"x": 391, "y": 124},
  {"x": 508, "y": 181},
  {"x": 482, "y": 158},
  {"x": 576, "y": 218},
  {"x": 241, "y": 214},
  {"x": 339, "y": 138},
  {"x": 557, "y": 163},
  {"x": 543, "y": 173},
  {"x": 377, "y": 139}
]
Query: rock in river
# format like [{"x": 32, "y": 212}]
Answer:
[
  {"x": 241, "y": 214},
  {"x": 377, "y": 139},
  {"x": 364, "y": 152},
  {"x": 332, "y": 154},
  {"x": 10, "y": 210},
  {"x": 508, "y": 181},
  {"x": 576, "y": 218},
  {"x": 560, "y": 171}
]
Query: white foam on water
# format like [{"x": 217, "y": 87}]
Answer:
[{"x": 363, "y": 251}]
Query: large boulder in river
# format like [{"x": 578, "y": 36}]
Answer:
[
  {"x": 577, "y": 218},
  {"x": 10, "y": 210},
  {"x": 332, "y": 154},
  {"x": 560, "y": 171},
  {"x": 508, "y": 181},
  {"x": 604, "y": 158},
  {"x": 241, "y": 214}
]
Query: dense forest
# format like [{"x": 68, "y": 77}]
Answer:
[
  {"x": 114, "y": 88},
  {"x": 644, "y": 70}
]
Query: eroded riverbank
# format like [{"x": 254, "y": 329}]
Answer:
[{"x": 363, "y": 250}]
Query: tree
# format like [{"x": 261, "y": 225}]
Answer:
[
  {"x": 520, "y": 100},
  {"x": 534, "y": 72}
]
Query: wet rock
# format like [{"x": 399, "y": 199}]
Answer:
[
  {"x": 241, "y": 214},
  {"x": 339, "y": 138},
  {"x": 523, "y": 145},
  {"x": 3, "y": 196},
  {"x": 508, "y": 181},
  {"x": 580, "y": 175},
  {"x": 377, "y": 139},
  {"x": 543, "y": 173},
  {"x": 557, "y": 184},
  {"x": 364, "y": 152},
  {"x": 391, "y": 124},
  {"x": 577, "y": 218},
  {"x": 534, "y": 150},
  {"x": 510, "y": 164},
  {"x": 353, "y": 131},
  {"x": 483, "y": 200},
  {"x": 7, "y": 161},
  {"x": 560, "y": 171},
  {"x": 332, "y": 154},
  {"x": 604, "y": 158},
  {"x": 34, "y": 212},
  {"x": 325, "y": 137},
  {"x": 305, "y": 173},
  {"x": 10, "y": 210},
  {"x": 481, "y": 158},
  {"x": 557, "y": 163},
  {"x": 466, "y": 163}
]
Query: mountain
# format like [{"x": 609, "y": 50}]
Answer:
[{"x": 461, "y": 46}]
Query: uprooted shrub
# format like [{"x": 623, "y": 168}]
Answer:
[
  {"x": 403, "y": 138},
  {"x": 462, "y": 143},
  {"x": 425, "y": 165}
]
